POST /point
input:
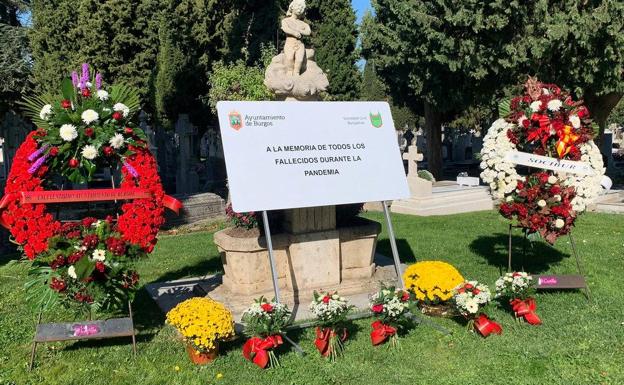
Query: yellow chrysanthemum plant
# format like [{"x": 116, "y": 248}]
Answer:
[
  {"x": 202, "y": 322},
  {"x": 432, "y": 282}
]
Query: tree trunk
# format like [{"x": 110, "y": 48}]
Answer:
[
  {"x": 433, "y": 130},
  {"x": 600, "y": 107}
]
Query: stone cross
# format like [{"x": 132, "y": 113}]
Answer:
[{"x": 413, "y": 157}]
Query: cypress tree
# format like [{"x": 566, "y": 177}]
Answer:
[{"x": 334, "y": 38}]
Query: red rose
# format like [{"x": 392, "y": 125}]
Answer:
[
  {"x": 461, "y": 290},
  {"x": 66, "y": 104},
  {"x": 526, "y": 123},
  {"x": 88, "y": 221},
  {"x": 326, "y": 299},
  {"x": 100, "y": 266},
  {"x": 515, "y": 274},
  {"x": 476, "y": 291},
  {"x": 520, "y": 186},
  {"x": 54, "y": 151},
  {"x": 543, "y": 177},
  {"x": 89, "y": 132},
  {"x": 117, "y": 115},
  {"x": 468, "y": 286},
  {"x": 405, "y": 296},
  {"x": 267, "y": 307},
  {"x": 108, "y": 150},
  {"x": 555, "y": 190},
  {"x": 128, "y": 130},
  {"x": 377, "y": 308},
  {"x": 86, "y": 92},
  {"x": 73, "y": 163},
  {"x": 583, "y": 112}
]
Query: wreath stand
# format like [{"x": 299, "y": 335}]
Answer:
[
  {"x": 553, "y": 282},
  {"x": 91, "y": 329}
]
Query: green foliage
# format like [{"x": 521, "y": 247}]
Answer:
[
  {"x": 334, "y": 37},
  {"x": 15, "y": 65},
  {"x": 237, "y": 81},
  {"x": 426, "y": 175}
]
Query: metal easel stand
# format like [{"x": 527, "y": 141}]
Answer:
[{"x": 572, "y": 283}]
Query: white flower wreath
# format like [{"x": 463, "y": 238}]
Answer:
[{"x": 502, "y": 177}]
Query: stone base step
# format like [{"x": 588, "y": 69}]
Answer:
[{"x": 446, "y": 202}]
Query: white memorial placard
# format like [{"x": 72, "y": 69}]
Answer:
[{"x": 283, "y": 155}]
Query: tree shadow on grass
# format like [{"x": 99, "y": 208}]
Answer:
[
  {"x": 406, "y": 254},
  {"x": 209, "y": 265},
  {"x": 535, "y": 257}
]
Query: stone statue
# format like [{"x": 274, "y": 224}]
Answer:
[{"x": 293, "y": 74}]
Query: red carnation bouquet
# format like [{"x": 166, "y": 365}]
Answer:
[
  {"x": 390, "y": 306},
  {"x": 331, "y": 311},
  {"x": 265, "y": 322}
]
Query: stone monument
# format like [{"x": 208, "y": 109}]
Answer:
[{"x": 439, "y": 199}]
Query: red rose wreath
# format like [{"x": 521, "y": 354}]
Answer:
[{"x": 88, "y": 262}]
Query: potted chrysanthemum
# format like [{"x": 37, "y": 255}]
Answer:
[{"x": 202, "y": 323}]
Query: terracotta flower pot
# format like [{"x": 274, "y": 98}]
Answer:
[{"x": 202, "y": 358}]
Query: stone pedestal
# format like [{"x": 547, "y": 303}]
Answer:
[{"x": 314, "y": 260}]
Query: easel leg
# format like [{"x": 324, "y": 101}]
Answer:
[
  {"x": 578, "y": 266},
  {"x": 393, "y": 246},
  {"x": 267, "y": 235},
  {"x": 509, "y": 255},
  {"x": 134, "y": 348},
  {"x": 34, "y": 347}
]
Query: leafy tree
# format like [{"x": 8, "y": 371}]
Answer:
[
  {"x": 580, "y": 44},
  {"x": 441, "y": 56},
  {"x": 15, "y": 63},
  {"x": 334, "y": 38},
  {"x": 373, "y": 89}
]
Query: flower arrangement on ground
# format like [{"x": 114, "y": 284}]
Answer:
[
  {"x": 264, "y": 323},
  {"x": 547, "y": 122},
  {"x": 331, "y": 312},
  {"x": 518, "y": 287},
  {"x": 390, "y": 307},
  {"x": 432, "y": 283},
  {"x": 203, "y": 323},
  {"x": 87, "y": 264},
  {"x": 470, "y": 298},
  {"x": 241, "y": 220}
]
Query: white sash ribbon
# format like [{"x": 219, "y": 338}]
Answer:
[{"x": 548, "y": 163}]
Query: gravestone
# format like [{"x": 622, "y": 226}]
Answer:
[{"x": 187, "y": 180}]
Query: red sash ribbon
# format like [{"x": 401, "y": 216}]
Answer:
[
  {"x": 257, "y": 349},
  {"x": 323, "y": 336},
  {"x": 526, "y": 309},
  {"x": 486, "y": 326},
  {"x": 94, "y": 195},
  {"x": 381, "y": 332}
]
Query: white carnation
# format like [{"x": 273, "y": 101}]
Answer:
[
  {"x": 68, "y": 132},
  {"x": 541, "y": 203},
  {"x": 559, "y": 223},
  {"x": 555, "y": 105},
  {"x": 46, "y": 111},
  {"x": 120, "y": 107},
  {"x": 102, "y": 95},
  {"x": 575, "y": 121},
  {"x": 536, "y": 106},
  {"x": 89, "y": 116},
  {"x": 117, "y": 141},
  {"x": 552, "y": 179},
  {"x": 71, "y": 271},
  {"x": 89, "y": 152}
]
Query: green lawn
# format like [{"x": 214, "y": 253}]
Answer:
[{"x": 579, "y": 343}]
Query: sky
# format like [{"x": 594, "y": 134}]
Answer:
[{"x": 360, "y": 6}]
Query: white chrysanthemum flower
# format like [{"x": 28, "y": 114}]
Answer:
[
  {"x": 89, "y": 152},
  {"x": 89, "y": 116},
  {"x": 552, "y": 179},
  {"x": 46, "y": 111},
  {"x": 575, "y": 121},
  {"x": 120, "y": 107},
  {"x": 102, "y": 95},
  {"x": 472, "y": 306},
  {"x": 541, "y": 203},
  {"x": 559, "y": 223},
  {"x": 99, "y": 255},
  {"x": 536, "y": 106},
  {"x": 68, "y": 132},
  {"x": 557, "y": 198},
  {"x": 117, "y": 141},
  {"x": 555, "y": 105},
  {"x": 71, "y": 271}
]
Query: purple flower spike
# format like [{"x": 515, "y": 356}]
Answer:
[
  {"x": 98, "y": 81},
  {"x": 33, "y": 169},
  {"x": 75, "y": 80},
  {"x": 37, "y": 154},
  {"x": 85, "y": 73},
  {"x": 131, "y": 169}
]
